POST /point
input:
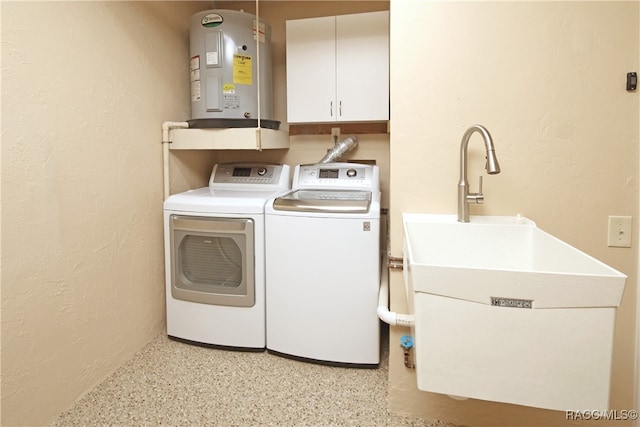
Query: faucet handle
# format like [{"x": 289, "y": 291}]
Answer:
[{"x": 478, "y": 197}]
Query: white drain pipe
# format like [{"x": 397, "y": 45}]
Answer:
[
  {"x": 166, "y": 127},
  {"x": 390, "y": 317}
]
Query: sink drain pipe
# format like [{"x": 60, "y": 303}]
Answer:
[
  {"x": 393, "y": 318},
  {"x": 390, "y": 317}
]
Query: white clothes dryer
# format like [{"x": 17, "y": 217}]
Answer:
[
  {"x": 323, "y": 266},
  {"x": 214, "y": 256}
]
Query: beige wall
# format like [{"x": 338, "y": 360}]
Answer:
[
  {"x": 548, "y": 81},
  {"x": 637, "y": 376},
  {"x": 85, "y": 87}
]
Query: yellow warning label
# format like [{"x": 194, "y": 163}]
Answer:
[
  {"x": 242, "y": 69},
  {"x": 229, "y": 88}
]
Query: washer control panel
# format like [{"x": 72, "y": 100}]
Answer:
[
  {"x": 336, "y": 175},
  {"x": 248, "y": 174}
]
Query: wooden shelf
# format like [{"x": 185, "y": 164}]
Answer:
[
  {"x": 345, "y": 128},
  {"x": 228, "y": 139}
]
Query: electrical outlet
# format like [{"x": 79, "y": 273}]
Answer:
[
  {"x": 620, "y": 231},
  {"x": 335, "y": 134}
]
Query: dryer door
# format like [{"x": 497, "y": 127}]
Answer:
[{"x": 212, "y": 260}]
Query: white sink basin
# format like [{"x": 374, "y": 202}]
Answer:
[
  {"x": 504, "y": 257},
  {"x": 506, "y": 312}
]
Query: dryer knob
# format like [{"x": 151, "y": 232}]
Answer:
[
  {"x": 351, "y": 173},
  {"x": 262, "y": 171}
]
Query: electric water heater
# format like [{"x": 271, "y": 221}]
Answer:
[{"x": 230, "y": 69}]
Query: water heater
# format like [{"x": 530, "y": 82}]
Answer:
[{"x": 229, "y": 77}]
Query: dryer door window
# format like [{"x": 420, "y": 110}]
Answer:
[{"x": 212, "y": 260}]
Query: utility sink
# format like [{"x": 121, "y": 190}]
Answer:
[
  {"x": 500, "y": 256},
  {"x": 507, "y": 312}
]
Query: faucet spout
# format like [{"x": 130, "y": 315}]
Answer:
[{"x": 492, "y": 166}]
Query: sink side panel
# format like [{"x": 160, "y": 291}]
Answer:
[{"x": 556, "y": 359}]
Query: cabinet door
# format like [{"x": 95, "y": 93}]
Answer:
[
  {"x": 311, "y": 67},
  {"x": 362, "y": 64}
]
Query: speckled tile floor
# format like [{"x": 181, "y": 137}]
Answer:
[{"x": 175, "y": 384}]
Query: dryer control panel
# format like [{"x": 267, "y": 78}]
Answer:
[
  {"x": 244, "y": 174},
  {"x": 344, "y": 176}
]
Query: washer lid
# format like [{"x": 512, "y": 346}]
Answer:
[{"x": 334, "y": 201}]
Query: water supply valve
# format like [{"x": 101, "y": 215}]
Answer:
[{"x": 406, "y": 342}]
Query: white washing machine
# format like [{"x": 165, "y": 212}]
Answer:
[
  {"x": 214, "y": 256},
  {"x": 323, "y": 266}
]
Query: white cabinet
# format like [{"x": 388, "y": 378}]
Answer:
[{"x": 338, "y": 68}]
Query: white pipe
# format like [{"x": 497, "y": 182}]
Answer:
[
  {"x": 166, "y": 127},
  {"x": 390, "y": 317}
]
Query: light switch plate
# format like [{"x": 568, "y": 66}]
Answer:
[{"x": 619, "y": 231}]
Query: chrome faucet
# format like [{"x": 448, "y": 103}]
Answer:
[{"x": 492, "y": 167}]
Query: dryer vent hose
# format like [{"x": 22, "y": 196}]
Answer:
[{"x": 340, "y": 149}]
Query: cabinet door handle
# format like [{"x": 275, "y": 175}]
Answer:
[
  {"x": 340, "y": 108},
  {"x": 331, "y": 108}
]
